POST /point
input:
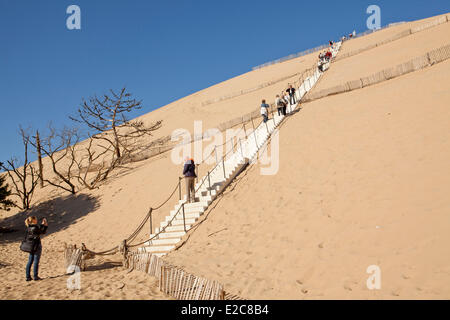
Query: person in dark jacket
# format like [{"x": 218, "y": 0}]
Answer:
[
  {"x": 291, "y": 92},
  {"x": 34, "y": 232},
  {"x": 189, "y": 175}
]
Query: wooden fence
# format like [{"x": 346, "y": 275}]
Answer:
[
  {"x": 165, "y": 144},
  {"x": 73, "y": 257},
  {"x": 242, "y": 92},
  {"x": 175, "y": 281},
  {"x": 429, "y": 59},
  {"x": 436, "y": 22}
]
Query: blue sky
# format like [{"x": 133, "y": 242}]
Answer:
[{"x": 160, "y": 50}]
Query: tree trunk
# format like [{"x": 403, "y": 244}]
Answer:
[{"x": 41, "y": 168}]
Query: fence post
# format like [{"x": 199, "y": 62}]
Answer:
[
  {"x": 41, "y": 170},
  {"x": 209, "y": 184},
  {"x": 184, "y": 219},
  {"x": 223, "y": 165},
  {"x": 179, "y": 187},
  {"x": 245, "y": 132},
  {"x": 215, "y": 152},
  {"x": 273, "y": 117},
  {"x": 254, "y": 134},
  {"x": 151, "y": 222},
  {"x": 242, "y": 151},
  {"x": 253, "y": 124}
]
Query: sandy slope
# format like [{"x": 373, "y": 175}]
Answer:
[
  {"x": 182, "y": 113},
  {"x": 364, "y": 180},
  {"x": 104, "y": 281},
  {"x": 102, "y": 218},
  {"x": 385, "y": 56},
  {"x": 384, "y": 34}
]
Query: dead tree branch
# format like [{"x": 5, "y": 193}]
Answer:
[
  {"x": 106, "y": 120},
  {"x": 24, "y": 178}
]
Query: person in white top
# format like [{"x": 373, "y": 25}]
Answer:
[{"x": 286, "y": 99}]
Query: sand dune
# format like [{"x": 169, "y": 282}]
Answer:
[
  {"x": 363, "y": 180},
  {"x": 384, "y": 34},
  {"x": 102, "y": 218},
  {"x": 386, "y": 56}
]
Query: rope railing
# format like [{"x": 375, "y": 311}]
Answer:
[
  {"x": 175, "y": 281},
  {"x": 321, "y": 47},
  {"x": 309, "y": 73},
  {"x": 236, "y": 142},
  {"x": 292, "y": 56},
  {"x": 148, "y": 217}
]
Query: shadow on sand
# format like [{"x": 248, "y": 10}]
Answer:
[
  {"x": 104, "y": 266},
  {"x": 60, "y": 213}
]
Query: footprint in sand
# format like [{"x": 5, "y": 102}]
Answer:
[{"x": 395, "y": 293}]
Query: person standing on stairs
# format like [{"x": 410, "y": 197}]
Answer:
[
  {"x": 291, "y": 92},
  {"x": 286, "y": 103},
  {"x": 265, "y": 111},
  {"x": 280, "y": 104},
  {"x": 189, "y": 175}
]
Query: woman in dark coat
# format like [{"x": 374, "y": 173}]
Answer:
[{"x": 34, "y": 231}]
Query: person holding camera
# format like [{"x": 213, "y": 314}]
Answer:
[{"x": 33, "y": 238}]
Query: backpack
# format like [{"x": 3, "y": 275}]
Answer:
[{"x": 28, "y": 245}]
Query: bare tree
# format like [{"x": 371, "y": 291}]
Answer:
[
  {"x": 93, "y": 166},
  {"x": 5, "y": 192},
  {"x": 107, "y": 120},
  {"x": 24, "y": 178},
  {"x": 41, "y": 167},
  {"x": 58, "y": 146}
]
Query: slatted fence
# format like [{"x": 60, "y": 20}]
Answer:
[
  {"x": 175, "y": 281},
  {"x": 427, "y": 60}
]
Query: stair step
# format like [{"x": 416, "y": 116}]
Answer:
[
  {"x": 189, "y": 207},
  {"x": 160, "y": 242},
  {"x": 177, "y": 228},
  {"x": 207, "y": 189},
  {"x": 168, "y": 235},
  {"x": 157, "y": 248},
  {"x": 193, "y": 215},
  {"x": 186, "y": 211},
  {"x": 159, "y": 254},
  {"x": 207, "y": 193},
  {"x": 177, "y": 222}
]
